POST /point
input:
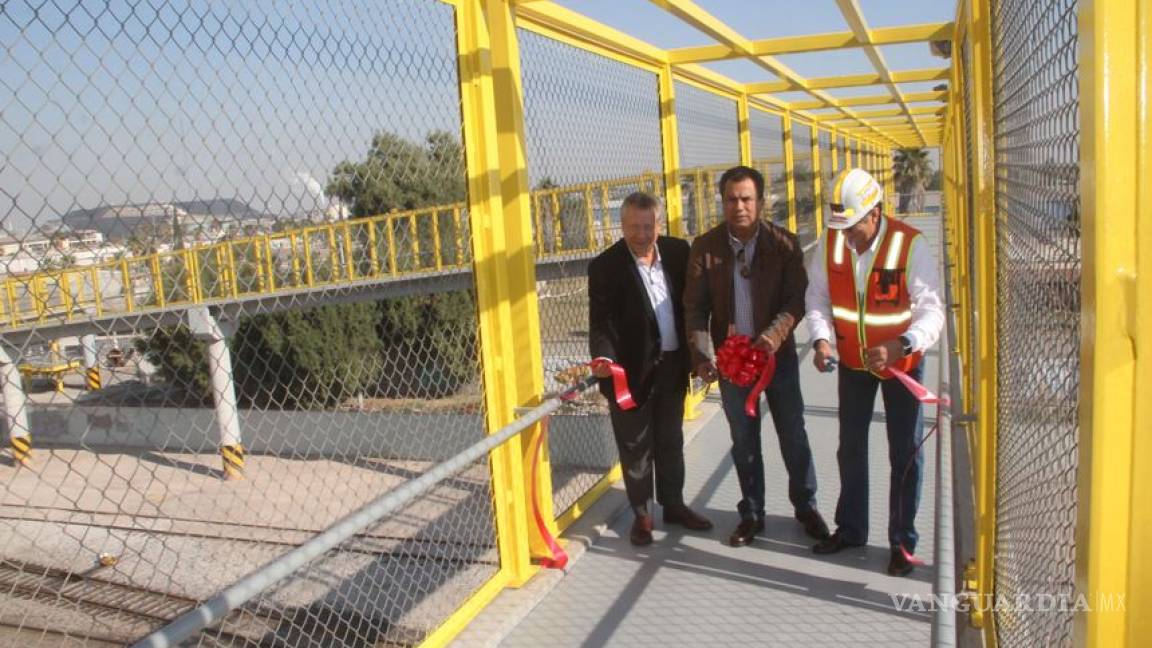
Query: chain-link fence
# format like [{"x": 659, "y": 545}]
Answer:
[
  {"x": 299, "y": 168},
  {"x": 767, "y": 132},
  {"x": 828, "y": 173},
  {"x": 593, "y": 133},
  {"x": 1038, "y": 254},
  {"x": 804, "y": 183},
  {"x": 708, "y": 132}
]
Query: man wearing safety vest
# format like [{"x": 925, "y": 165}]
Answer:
[{"x": 873, "y": 294}]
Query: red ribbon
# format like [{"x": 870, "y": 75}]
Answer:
[
  {"x": 619, "y": 383},
  {"x": 746, "y": 366},
  {"x": 752, "y": 404},
  {"x": 559, "y": 557},
  {"x": 925, "y": 396},
  {"x": 922, "y": 393}
]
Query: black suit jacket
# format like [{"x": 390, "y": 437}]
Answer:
[{"x": 622, "y": 324}]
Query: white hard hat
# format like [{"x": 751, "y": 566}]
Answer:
[{"x": 854, "y": 194}]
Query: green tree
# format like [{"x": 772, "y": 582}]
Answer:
[
  {"x": 312, "y": 358},
  {"x": 416, "y": 346},
  {"x": 913, "y": 169}
]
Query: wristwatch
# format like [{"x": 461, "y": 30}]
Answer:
[{"x": 907, "y": 344}]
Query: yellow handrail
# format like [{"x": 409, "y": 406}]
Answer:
[{"x": 260, "y": 257}]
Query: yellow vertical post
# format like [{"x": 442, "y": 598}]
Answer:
[
  {"x": 743, "y": 126},
  {"x": 889, "y": 178},
  {"x": 1115, "y": 445},
  {"x": 789, "y": 173},
  {"x": 670, "y": 147},
  {"x": 498, "y": 196},
  {"x": 817, "y": 182},
  {"x": 983, "y": 213},
  {"x": 833, "y": 141}
]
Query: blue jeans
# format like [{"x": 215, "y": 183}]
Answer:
[
  {"x": 905, "y": 422},
  {"x": 786, "y": 404}
]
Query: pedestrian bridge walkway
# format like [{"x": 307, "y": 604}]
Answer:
[{"x": 691, "y": 589}]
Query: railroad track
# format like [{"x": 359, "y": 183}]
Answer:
[
  {"x": 69, "y": 606},
  {"x": 125, "y": 612}
]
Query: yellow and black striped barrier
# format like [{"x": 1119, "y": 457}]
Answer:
[
  {"x": 92, "y": 378},
  {"x": 233, "y": 461},
  {"x": 21, "y": 449}
]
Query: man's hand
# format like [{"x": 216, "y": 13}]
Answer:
[
  {"x": 765, "y": 344},
  {"x": 821, "y": 354},
  {"x": 707, "y": 371},
  {"x": 879, "y": 357},
  {"x": 601, "y": 368}
]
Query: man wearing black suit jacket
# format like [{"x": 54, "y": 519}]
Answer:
[{"x": 636, "y": 319}]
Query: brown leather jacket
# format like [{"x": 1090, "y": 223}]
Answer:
[{"x": 778, "y": 285}]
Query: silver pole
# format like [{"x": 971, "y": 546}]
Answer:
[{"x": 247, "y": 588}]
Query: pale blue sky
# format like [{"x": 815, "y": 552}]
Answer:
[{"x": 114, "y": 101}]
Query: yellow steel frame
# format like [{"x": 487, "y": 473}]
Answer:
[
  {"x": 983, "y": 213},
  {"x": 1115, "y": 488}
]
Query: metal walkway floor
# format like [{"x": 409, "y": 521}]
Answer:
[{"x": 691, "y": 589}]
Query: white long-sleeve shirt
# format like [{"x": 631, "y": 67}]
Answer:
[{"x": 923, "y": 289}]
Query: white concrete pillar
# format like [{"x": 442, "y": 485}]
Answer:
[
  {"x": 15, "y": 407},
  {"x": 216, "y": 333},
  {"x": 92, "y": 380}
]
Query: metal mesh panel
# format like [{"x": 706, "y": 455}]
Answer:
[
  {"x": 841, "y": 151},
  {"x": 1037, "y": 290},
  {"x": 973, "y": 271},
  {"x": 767, "y": 131},
  {"x": 709, "y": 136},
  {"x": 804, "y": 182},
  {"x": 297, "y": 167},
  {"x": 593, "y": 132},
  {"x": 827, "y": 173}
]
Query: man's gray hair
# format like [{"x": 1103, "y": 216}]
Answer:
[{"x": 643, "y": 200}]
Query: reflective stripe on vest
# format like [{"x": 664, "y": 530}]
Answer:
[{"x": 883, "y": 309}]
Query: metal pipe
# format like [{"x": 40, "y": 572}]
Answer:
[{"x": 216, "y": 608}]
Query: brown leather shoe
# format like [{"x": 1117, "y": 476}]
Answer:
[
  {"x": 746, "y": 532},
  {"x": 814, "y": 524},
  {"x": 641, "y": 533},
  {"x": 686, "y": 518}
]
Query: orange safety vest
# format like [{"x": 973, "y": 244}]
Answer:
[{"x": 881, "y": 310}]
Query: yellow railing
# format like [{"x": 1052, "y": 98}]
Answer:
[{"x": 570, "y": 219}]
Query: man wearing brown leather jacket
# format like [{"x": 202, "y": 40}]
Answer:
[{"x": 746, "y": 277}]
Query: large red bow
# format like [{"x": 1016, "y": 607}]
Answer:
[{"x": 744, "y": 365}]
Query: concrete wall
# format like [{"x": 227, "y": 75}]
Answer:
[{"x": 579, "y": 440}]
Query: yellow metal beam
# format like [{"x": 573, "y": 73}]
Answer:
[
  {"x": 502, "y": 248},
  {"x": 883, "y": 112},
  {"x": 670, "y": 140},
  {"x": 855, "y": 19},
  {"x": 873, "y": 100},
  {"x": 812, "y": 43},
  {"x": 697, "y": 17},
  {"x": 789, "y": 173},
  {"x": 1115, "y": 420},
  {"x": 556, "y": 19},
  {"x": 849, "y": 81}
]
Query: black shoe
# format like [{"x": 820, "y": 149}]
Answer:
[
  {"x": 746, "y": 532},
  {"x": 833, "y": 544},
  {"x": 686, "y": 518},
  {"x": 898, "y": 564},
  {"x": 814, "y": 524}
]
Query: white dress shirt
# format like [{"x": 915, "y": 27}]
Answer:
[
  {"x": 656, "y": 284},
  {"x": 923, "y": 290}
]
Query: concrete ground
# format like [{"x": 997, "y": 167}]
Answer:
[
  {"x": 693, "y": 589},
  {"x": 690, "y": 589}
]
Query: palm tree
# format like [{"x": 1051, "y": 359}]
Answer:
[{"x": 912, "y": 169}]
